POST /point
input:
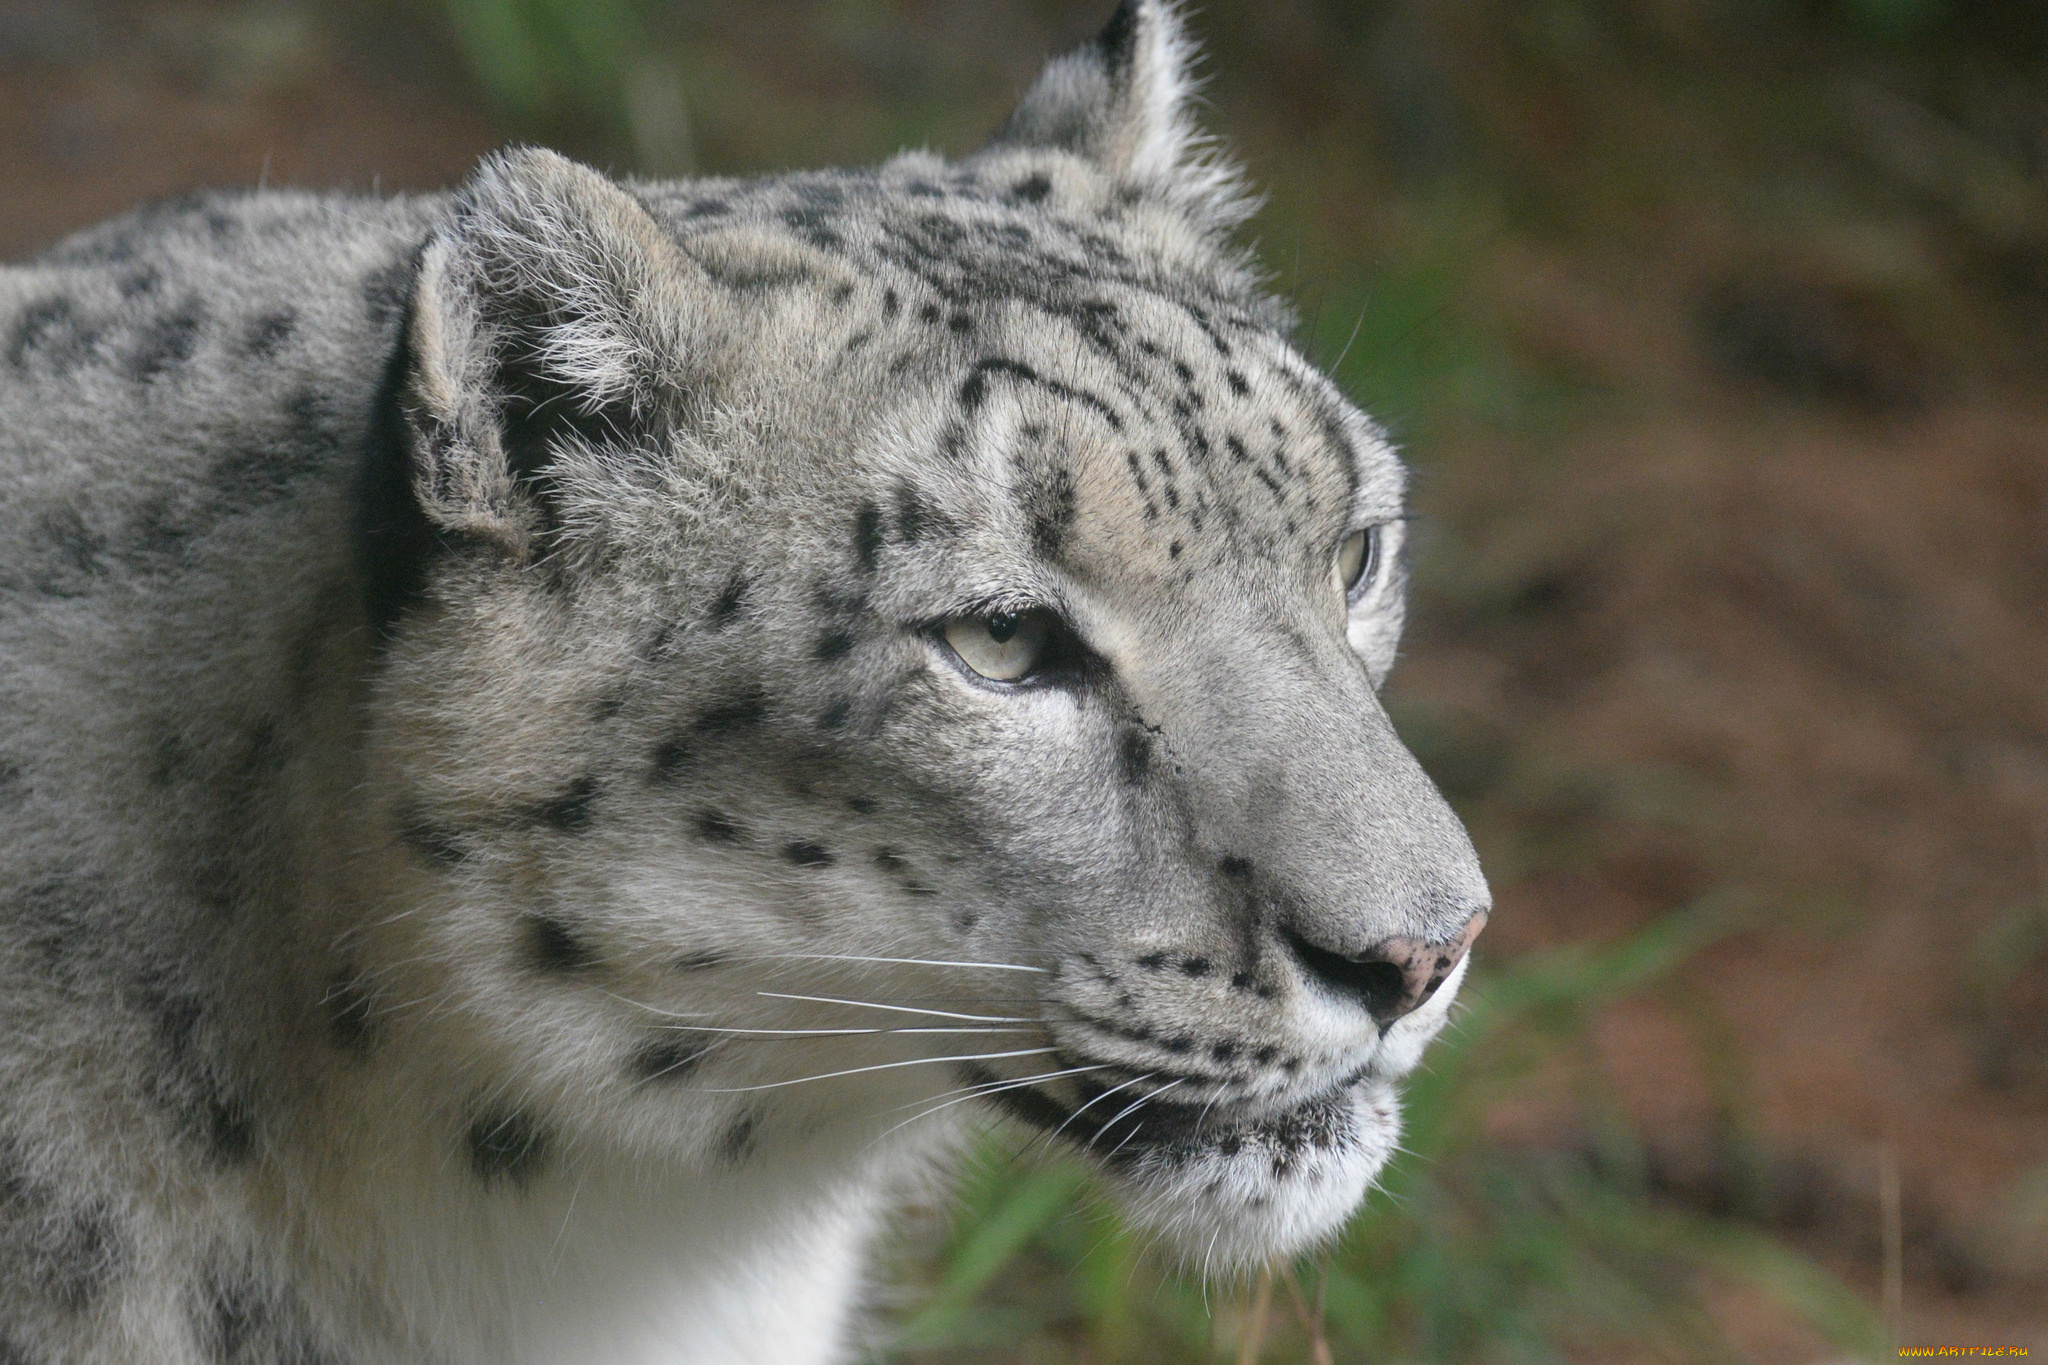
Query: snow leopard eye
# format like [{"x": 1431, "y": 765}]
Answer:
[
  {"x": 1358, "y": 557},
  {"x": 1002, "y": 646}
]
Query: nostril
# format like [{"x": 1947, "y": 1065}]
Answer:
[
  {"x": 1378, "y": 983},
  {"x": 1393, "y": 977}
]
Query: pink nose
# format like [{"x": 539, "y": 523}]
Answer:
[{"x": 1424, "y": 966}]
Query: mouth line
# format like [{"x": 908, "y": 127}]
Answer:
[{"x": 1130, "y": 1128}]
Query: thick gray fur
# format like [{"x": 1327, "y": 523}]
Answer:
[{"x": 473, "y": 695}]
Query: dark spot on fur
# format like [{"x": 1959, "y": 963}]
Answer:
[
  {"x": 53, "y": 331},
  {"x": 234, "y": 1316},
  {"x": 166, "y": 342},
  {"x": 953, "y": 442},
  {"x": 741, "y": 713},
  {"x": 1173, "y": 550},
  {"x": 911, "y": 514},
  {"x": 1241, "y": 981},
  {"x": 670, "y": 1055},
  {"x": 931, "y": 312},
  {"x": 1224, "y": 1052},
  {"x": 974, "y": 389},
  {"x": 1152, "y": 962},
  {"x": 894, "y": 863},
  {"x": 961, "y": 323},
  {"x": 1031, "y": 189},
  {"x": 1052, "y": 506},
  {"x": 423, "y": 835},
  {"x": 890, "y": 303},
  {"x": 191, "y": 1081},
  {"x": 803, "y": 853},
  {"x": 867, "y": 536},
  {"x": 730, "y": 599},
  {"x": 835, "y": 716},
  {"x": 861, "y": 805},
  {"x": 552, "y": 948},
  {"x": 738, "y": 1142},
  {"x": 815, "y": 226},
  {"x": 230, "y": 1129},
  {"x": 1237, "y": 383},
  {"x": 78, "y": 553},
  {"x": 65, "y": 1255},
  {"x": 1137, "y": 471},
  {"x": 1134, "y": 755},
  {"x": 571, "y": 811},
  {"x": 347, "y": 1005},
  {"x": 1265, "y": 1055},
  {"x": 268, "y": 334},
  {"x": 1234, "y": 867},
  {"x": 717, "y": 827},
  {"x": 756, "y": 277},
  {"x": 506, "y": 1145},
  {"x": 386, "y": 290},
  {"x": 834, "y": 644},
  {"x": 1194, "y": 966},
  {"x": 671, "y": 756}
]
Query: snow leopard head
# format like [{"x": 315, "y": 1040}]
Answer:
[{"x": 890, "y": 638}]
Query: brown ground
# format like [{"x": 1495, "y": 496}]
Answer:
[{"x": 1756, "y": 609}]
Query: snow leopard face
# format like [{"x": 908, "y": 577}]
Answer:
[{"x": 888, "y": 641}]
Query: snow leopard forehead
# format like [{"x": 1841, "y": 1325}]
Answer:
[{"x": 1101, "y": 355}]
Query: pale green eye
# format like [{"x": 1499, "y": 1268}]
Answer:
[
  {"x": 1355, "y": 556},
  {"x": 1003, "y": 646}
]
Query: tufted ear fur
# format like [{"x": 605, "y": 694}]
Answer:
[
  {"x": 548, "y": 307},
  {"x": 1121, "y": 102}
]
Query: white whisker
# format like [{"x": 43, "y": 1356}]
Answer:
[
  {"x": 880, "y": 1066},
  {"x": 984, "y": 1090},
  {"x": 834, "y": 1032},
  {"x": 1135, "y": 1080},
  {"x": 894, "y": 961},
  {"x": 1135, "y": 1104},
  {"x": 900, "y": 1009},
  {"x": 1137, "y": 1127}
]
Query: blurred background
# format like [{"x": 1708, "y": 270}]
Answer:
[{"x": 1717, "y": 334}]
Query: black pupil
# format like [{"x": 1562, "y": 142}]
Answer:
[{"x": 1001, "y": 627}]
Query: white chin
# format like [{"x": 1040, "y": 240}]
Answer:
[{"x": 1230, "y": 1201}]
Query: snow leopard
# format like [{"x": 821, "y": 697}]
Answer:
[{"x": 560, "y": 739}]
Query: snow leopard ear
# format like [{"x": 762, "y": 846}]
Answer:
[
  {"x": 548, "y": 307},
  {"x": 1122, "y": 102}
]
